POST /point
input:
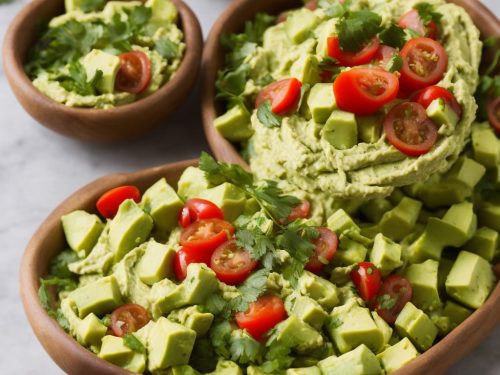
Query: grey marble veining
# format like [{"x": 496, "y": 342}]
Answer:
[{"x": 39, "y": 168}]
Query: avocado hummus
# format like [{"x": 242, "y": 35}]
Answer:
[
  {"x": 83, "y": 59},
  {"x": 298, "y": 152}
]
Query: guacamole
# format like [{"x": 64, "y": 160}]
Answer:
[
  {"x": 333, "y": 154},
  {"x": 102, "y": 54}
]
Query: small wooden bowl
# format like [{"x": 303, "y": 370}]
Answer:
[
  {"x": 89, "y": 124},
  {"x": 233, "y": 19}
]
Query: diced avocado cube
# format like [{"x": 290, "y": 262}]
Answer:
[
  {"x": 199, "y": 284},
  {"x": 193, "y": 318},
  {"x": 443, "y": 193},
  {"x": 169, "y": 344},
  {"x": 107, "y": 63},
  {"x": 455, "y": 313},
  {"x": 129, "y": 228},
  {"x": 341, "y": 130},
  {"x": 489, "y": 214},
  {"x": 251, "y": 207},
  {"x": 112, "y": 7},
  {"x": 321, "y": 102},
  {"x": 323, "y": 31},
  {"x": 299, "y": 23},
  {"x": 98, "y": 297},
  {"x": 182, "y": 370},
  {"x": 306, "y": 70},
  {"x": 254, "y": 370},
  {"x": 360, "y": 361},
  {"x": 319, "y": 289},
  {"x": 349, "y": 252},
  {"x": 457, "y": 226},
  {"x": 350, "y": 325},
  {"x": 137, "y": 364},
  {"x": 163, "y": 204},
  {"x": 91, "y": 330},
  {"x": 82, "y": 230},
  {"x": 72, "y": 5},
  {"x": 298, "y": 334},
  {"x": 369, "y": 128},
  {"x": 484, "y": 243},
  {"x": 162, "y": 10},
  {"x": 166, "y": 296},
  {"x": 470, "y": 280},
  {"x": 227, "y": 368},
  {"x": 341, "y": 222},
  {"x": 417, "y": 326},
  {"x": 494, "y": 176},
  {"x": 441, "y": 113},
  {"x": 156, "y": 263},
  {"x": 425, "y": 247},
  {"x": 397, "y": 355},
  {"x": 229, "y": 198},
  {"x": 423, "y": 278},
  {"x": 191, "y": 183},
  {"x": 235, "y": 124},
  {"x": 385, "y": 254},
  {"x": 486, "y": 145},
  {"x": 383, "y": 326},
  {"x": 399, "y": 222},
  {"x": 374, "y": 209},
  {"x": 114, "y": 350},
  {"x": 309, "y": 311},
  {"x": 313, "y": 370},
  {"x": 465, "y": 171}
]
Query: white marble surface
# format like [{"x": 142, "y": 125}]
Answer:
[{"x": 39, "y": 168}]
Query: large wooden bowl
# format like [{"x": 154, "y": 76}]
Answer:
[
  {"x": 75, "y": 359},
  {"x": 96, "y": 125},
  {"x": 233, "y": 19}
]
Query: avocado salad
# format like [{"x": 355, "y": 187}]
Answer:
[
  {"x": 229, "y": 274},
  {"x": 103, "y": 54}
]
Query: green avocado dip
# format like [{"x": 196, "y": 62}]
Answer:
[
  {"x": 319, "y": 146},
  {"x": 228, "y": 275},
  {"x": 103, "y": 54}
]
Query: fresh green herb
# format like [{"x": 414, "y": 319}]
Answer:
[
  {"x": 220, "y": 334},
  {"x": 59, "y": 265},
  {"x": 106, "y": 320},
  {"x": 489, "y": 82},
  {"x": 132, "y": 342},
  {"x": 44, "y": 295},
  {"x": 427, "y": 13},
  {"x": 255, "y": 242},
  {"x": 91, "y": 5},
  {"x": 166, "y": 48},
  {"x": 369, "y": 270},
  {"x": 139, "y": 16},
  {"x": 254, "y": 30},
  {"x": 250, "y": 290},
  {"x": 78, "y": 81},
  {"x": 393, "y": 36},
  {"x": 395, "y": 63},
  {"x": 277, "y": 353},
  {"x": 267, "y": 117},
  {"x": 386, "y": 302},
  {"x": 264, "y": 81},
  {"x": 336, "y": 10},
  {"x": 303, "y": 90},
  {"x": 335, "y": 322},
  {"x": 358, "y": 28},
  {"x": 244, "y": 349},
  {"x": 231, "y": 84}
]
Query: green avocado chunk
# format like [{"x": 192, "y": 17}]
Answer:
[
  {"x": 193, "y": 318},
  {"x": 310, "y": 311},
  {"x": 191, "y": 183},
  {"x": 465, "y": 171},
  {"x": 470, "y": 280},
  {"x": 486, "y": 145},
  {"x": 227, "y": 368},
  {"x": 313, "y": 370},
  {"x": 182, "y": 370},
  {"x": 162, "y": 10},
  {"x": 397, "y": 355},
  {"x": 374, "y": 209},
  {"x": 441, "y": 113},
  {"x": 349, "y": 252},
  {"x": 156, "y": 263},
  {"x": 489, "y": 214},
  {"x": 359, "y": 361},
  {"x": 82, "y": 231},
  {"x": 235, "y": 124},
  {"x": 319, "y": 289},
  {"x": 341, "y": 130},
  {"x": 229, "y": 198},
  {"x": 306, "y": 69},
  {"x": 455, "y": 313},
  {"x": 298, "y": 334},
  {"x": 91, "y": 330},
  {"x": 98, "y": 297},
  {"x": 107, "y": 63},
  {"x": 400, "y": 221},
  {"x": 385, "y": 254},
  {"x": 483, "y": 243},
  {"x": 369, "y": 128},
  {"x": 115, "y": 351},
  {"x": 383, "y": 326},
  {"x": 299, "y": 24},
  {"x": 321, "y": 102},
  {"x": 417, "y": 326},
  {"x": 340, "y": 222},
  {"x": 423, "y": 278}
]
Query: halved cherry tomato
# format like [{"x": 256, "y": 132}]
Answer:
[
  {"x": 231, "y": 263},
  {"x": 325, "y": 249},
  {"x": 367, "y": 279},
  {"x": 301, "y": 211},
  {"x": 311, "y": 5},
  {"x": 345, "y": 58},
  {"x": 424, "y": 63},
  {"x": 261, "y": 316},
  {"x": 199, "y": 209},
  {"x": 384, "y": 55},
  {"x": 326, "y": 76},
  {"x": 364, "y": 91},
  {"x": 411, "y": 20},
  {"x": 128, "y": 318},
  {"x": 185, "y": 256},
  {"x": 425, "y": 97},
  {"x": 408, "y": 128},
  {"x": 393, "y": 295},
  {"x": 135, "y": 72},
  {"x": 493, "y": 109},
  {"x": 284, "y": 95},
  {"x": 206, "y": 235},
  {"x": 109, "y": 202}
]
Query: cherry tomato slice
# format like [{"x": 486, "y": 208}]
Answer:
[
  {"x": 411, "y": 20},
  {"x": 425, "y": 97},
  {"x": 367, "y": 279},
  {"x": 261, "y": 316},
  {"x": 185, "y": 256},
  {"x": 135, "y": 72},
  {"x": 424, "y": 63},
  {"x": 408, "y": 128},
  {"x": 206, "y": 235},
  {"x": 231, "y": 263},
  {"x": 109, "y": 202},
  {"x": 302, "y": 211},
  {"x": 346, "y": 58},
  {"x": 364, "y": 91},
  {"x": 325, "y": 249},
  {"x": 284, "y": 95},
  {"x": 199, "y": 209},
  {"x": 393, "y": 295},
  {"x": 311, "y": 5},
  {"x": 384, "y": 55},
  {"x": 128, "y": 318},
  {"x": 493, "y": 110}
]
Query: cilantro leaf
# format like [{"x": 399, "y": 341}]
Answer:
[
  {"x": 386, "y": 302},
  {"x": 255, "y": 242},
  {"x": 59, "y": 265},
  {"x": 264, "y": 81},
  {"x": 427, "y": 13},
  {"x": 44, "y": 295},
  {"x": 219, "y": 338},
  {"x": 356, "y": 29},
  {"x": 244, "y": 349},
  {"x": 78, "y": 81},
  {"x": 395, "y": 63},
  {"x": 250, "y": 290},
  {"x": 132, "y": 342},
  {"x": 254, "y": 30},
  {"x": 91, "y": 5},
  {"x": 393, "y": 36},
  {"x": 166, "y": 48},
  {"x": 231, "y": 84},
  {"x": 139, "y": 16},
  {"x": 267, "y": 117}
]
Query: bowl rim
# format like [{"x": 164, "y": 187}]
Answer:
[{"x": 14, "y": 65}]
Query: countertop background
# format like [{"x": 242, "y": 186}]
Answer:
[{"x": 39, "y": 168}]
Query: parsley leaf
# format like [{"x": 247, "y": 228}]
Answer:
[
  {"x": 132, "y": 342},
  {"x": 78, "y": 81},
  {"x": 427, "y": 14},
  {"x": 356, "y": 29},
  {"x": 393, "y": 36},
  {"x": 267, "y": 117},
  {"x": 395, "y": 63},
  {"x": 166, "y": 48}
]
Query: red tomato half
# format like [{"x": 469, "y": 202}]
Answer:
[
  {"x": 311, "y": 5},
  {"x": 424, "y": 63},
  {"x": 364, "y": 91},
  {"x": 302, "y": 211},
  {"x": 425, "y": 97},
  {"x": 231, "y": 263},
  {"x": 185, "y": 256},
  {"x": 284, "y": 95},
  {"x": 393, "y": 295},
  {"x": 346, "y": 58},
  {"x": 199, "y": 209},
  {"x": 493, "y": 109},
  {"x": 384, "y": 55},
  {"x": 367, "y": 279},
  {"x": 109, "y": 202},
  {"x": 408, "y": 128},
  {"x": 206, "y": 235},
  {"x": 128, "y": 318},
  {"x": 261, "y": 316},
  {"x": 325, "y": 248},
  {"x": 411, "y": 20},
  {"x": 135, "y": 72}
]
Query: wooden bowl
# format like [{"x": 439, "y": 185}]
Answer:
[
  {"x": 89, "y": 124},
  {"x": 233, "y": 19}
]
